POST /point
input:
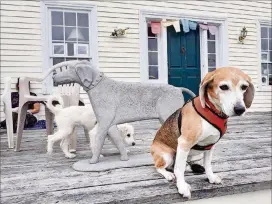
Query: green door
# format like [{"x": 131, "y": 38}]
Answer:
[{"x": 184, "y": 59}]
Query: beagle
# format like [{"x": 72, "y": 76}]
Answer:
[{"x": 200, "y": 123}]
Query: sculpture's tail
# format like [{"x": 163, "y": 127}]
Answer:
[
  {"x": 51, "y": 107},
  {"x": 188, "y": 91}
]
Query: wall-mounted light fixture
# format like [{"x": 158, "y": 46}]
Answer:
[
  {"x": 119, "y": 32},
  {"x": 243, "y": 35}
]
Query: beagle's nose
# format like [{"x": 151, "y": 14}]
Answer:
[
  {"x": 239, "y": 109},
  {"x": 133, "y": 144}
]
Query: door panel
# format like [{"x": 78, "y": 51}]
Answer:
[{"x": 184, "y": 59}]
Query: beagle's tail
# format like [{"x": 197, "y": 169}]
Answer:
[
  {"x": 56, "y": 100},
  {"x": 188, "y": 91}
]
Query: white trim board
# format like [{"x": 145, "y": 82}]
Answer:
[
  {"x": 220, "y": 19},
  {"x": 45, "y": 27},
  {"x": 260, "y": 86}
]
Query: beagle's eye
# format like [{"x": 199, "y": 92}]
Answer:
[
  {"x": 244, "y": 87},
  {"x": 224, "y": 87},
  {"x": 128, "y": 135}
]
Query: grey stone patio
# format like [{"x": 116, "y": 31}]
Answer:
[{"x": 242, "y": 158}]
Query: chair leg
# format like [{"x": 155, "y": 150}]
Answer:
[
  {"x": 20, "y": 125},
  {"x": 49, "y": 119},
  {"x": 9, "y": 124}
]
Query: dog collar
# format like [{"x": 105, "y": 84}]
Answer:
[
  {"x": 216, "y": 118},
  {"x": 97, "y": 80},
  {"x": 212, "y": 107},
  {"x": 94, "y": 83}
]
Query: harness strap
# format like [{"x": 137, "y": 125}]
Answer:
[
  {"x": 180, "y": 116},
  {"x": 179, "y": 122},
  {"x": 211, "y": 115}
]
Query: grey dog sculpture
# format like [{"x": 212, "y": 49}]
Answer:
[{"x": 116, "y": 102}]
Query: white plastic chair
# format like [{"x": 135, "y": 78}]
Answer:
[
  {"x": 24, "y": 99},
  {"x": 6, "y": 98},
  {"x": 69, "y": 92}
]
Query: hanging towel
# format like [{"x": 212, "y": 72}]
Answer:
[
  {"x": 192, "y": 25},
  {"x": 175, "y": 23},
  {"x": 166, "y": 23},
  {"x": 203, "y": 26},
  {"x": 185, "y": 25},
  {"x": 155, "y": 27},
  {"x": 212, "y": 29}
]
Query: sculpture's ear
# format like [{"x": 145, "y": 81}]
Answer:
[
  {"x": 249, "y": 94},
  {"x": 84, "y": 72},
  {"x": 203, "y": 85}
]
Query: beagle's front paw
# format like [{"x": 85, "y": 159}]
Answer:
[
  {"x": 215, "y": 179},
  {"x": 184, "y": 189},
  {"x": 169, "y": 176}
]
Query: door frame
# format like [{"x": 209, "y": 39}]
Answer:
[{"x": 205, "y": 17}]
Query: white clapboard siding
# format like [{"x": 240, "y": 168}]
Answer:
[{"x": 21, "y": 46}]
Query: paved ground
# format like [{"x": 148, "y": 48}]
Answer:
[{"x": 242, "y": 158}]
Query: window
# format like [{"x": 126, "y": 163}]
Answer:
[
  {"x": 69, "y": 36},
  {"x": 266, "y": 55},
  {"x": 213, "y": 48},
  {"x": 211, "y": 42},
  {"x": 153, "y": 53}
]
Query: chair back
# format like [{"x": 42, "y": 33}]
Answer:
[
  {"x": 6, "y": 99},
  {"x": 6, "y": 96},
  {"x": 70, "y": 93}
]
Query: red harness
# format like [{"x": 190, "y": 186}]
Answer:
[{"x": 213, "y": 116}]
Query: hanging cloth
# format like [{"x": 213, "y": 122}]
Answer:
[
  {"x": 203, "y": 26},
  {"x": 185, "y": 25},
  {"x": 212, "y": 29},
  {"x": 192, "y": 25},
  {"x": 155, "y": 27},
  {"x": 174, "y": 23}
]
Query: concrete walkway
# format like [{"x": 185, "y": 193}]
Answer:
[{"x": 260, "y": 197}]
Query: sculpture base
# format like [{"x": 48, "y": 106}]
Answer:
[{"x": 113, "y": 162}]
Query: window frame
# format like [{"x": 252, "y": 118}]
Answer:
[
  {"x": 52, "y": 55},
  {"x": 158, "y": 51},
  {"x": 261, "y": 86},
  {"x": 47, "y": 45},
  {"x": 217, "y": 47}
]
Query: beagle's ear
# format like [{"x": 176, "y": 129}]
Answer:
[
  {"x": 249, "y": 94},
  {"x": 203, "y": 86}
]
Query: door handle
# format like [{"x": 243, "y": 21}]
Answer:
[{"x": 183, "y": 50}]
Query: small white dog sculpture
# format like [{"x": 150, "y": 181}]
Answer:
[{"x": 68, "y": 118}]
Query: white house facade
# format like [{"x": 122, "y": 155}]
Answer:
[{"x": 37, "y": 34}]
